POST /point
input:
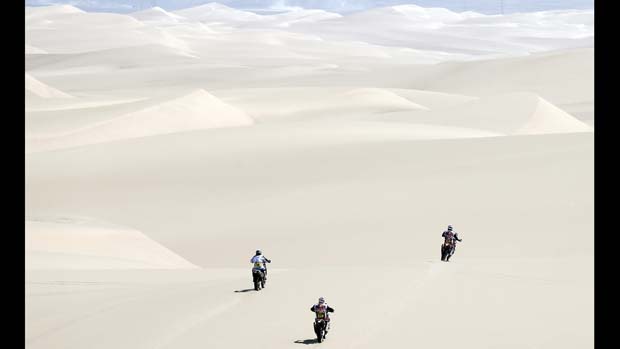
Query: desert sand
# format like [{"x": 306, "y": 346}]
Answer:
[{"x": 163, "y": 148}]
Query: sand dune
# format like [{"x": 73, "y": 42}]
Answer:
[
  {"x": 303, "y": 16},
  {"x": 443, "y": 30},
  {"x": 77, "y": 32},
  {"x": 432, "y": 99},
  {"x": 268, "y": 105},
  {"x": 214, "y": 12},
  {"x": 121, "y": 58},
  {"x": 197, "y": 110},
  {"x": 36, "y": 13},
  {"x": 423, "y": 17},
  {"x": 547, "y": 118},
  {"x": 518, "y": 113},
  {"x": 34, "y": 50},
  {"x": 157, "y": 14},
  {"x": 309, "y": 58},
  {"x": 79, "y": 244},
  {"x": 563, "y": 78},
  {"x": 559, "y": 77},
  {"x": 394, "y": 190},
  {"x": 308, "y": 103},
  {"x": 37, "y": 88},
  {"x": 221, "y": 14},
  {"x": 210, "y": 307},
  {"x": 258, "y": 172},
  {"x": 58, "y": 119}
]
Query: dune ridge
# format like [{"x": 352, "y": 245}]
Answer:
[{"x": 196, "y": 110}]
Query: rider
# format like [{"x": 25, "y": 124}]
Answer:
[
  {"x": 259, "y": 262},
  {"x": 449, "y": 239},
  {"x": 322, "y": 311}
]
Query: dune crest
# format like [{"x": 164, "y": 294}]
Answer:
[{"x": 547, "y": 118}]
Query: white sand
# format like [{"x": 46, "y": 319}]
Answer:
[
  {"x": 34, "y": 50},
  {"x": 80, "y": 244},
  {"x": 157, "y": 14},
  {"x": 515, "y": 113},
  {"x": 37, "y": 88},
  {"x": 194, "y": 111},
  {"x": 163, "y": 148}
]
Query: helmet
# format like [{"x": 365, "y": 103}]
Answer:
[
  {"x": 258, "y": 252},
  {"x": 321, "y": 300},
  {"x": 449, "y": 228}
]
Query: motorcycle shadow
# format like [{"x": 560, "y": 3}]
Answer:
[
  {"x": 246, "y": 290},
  {"x": 307, "y": 341}
]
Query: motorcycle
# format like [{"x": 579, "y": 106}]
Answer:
[
  {"x": 447, "y": 250},
  {"x": 320, "y": 328},
  {"x": 258, "y": 277}
]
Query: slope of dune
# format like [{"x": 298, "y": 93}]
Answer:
[
  {"x": 83, "y": 244},
  {"x": 87, "y": 31},
  {"x": 39, "y": 89},
  {"x": 271, "y": 104},
  {"x": 319, "y": 177},
  {"x": 379, "y": 96},
  {"x": 432, "y": 99},
  {"x": 559, "y": 76},
  {"x": 547, "y": 118},
  {"x": 34, "y": 50},
  {"x": 516, "y": 113},
  {"x": 197, "y": 110},
  {"x": 37, "y": 12},
  {"x": 120, "y": 58},
  {"x": 386, "y": 198}
]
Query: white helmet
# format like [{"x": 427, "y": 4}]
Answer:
[
  {"x": 449, "y": 228},
  {"x": 321, "y": 300}
]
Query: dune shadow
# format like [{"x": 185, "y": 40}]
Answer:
[
  {"x": 246, "y": 290},
  {"x": 307, "y": 341}
]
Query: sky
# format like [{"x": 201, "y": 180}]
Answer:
[{"x": 341, "y": 6}]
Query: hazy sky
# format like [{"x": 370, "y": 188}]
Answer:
[{"x": 483, "y": 6}]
